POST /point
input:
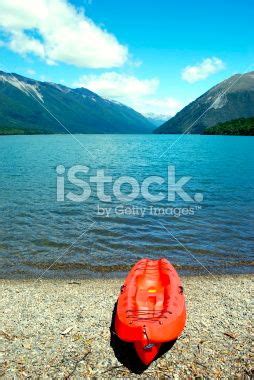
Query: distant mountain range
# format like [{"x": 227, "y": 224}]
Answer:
[
  {"x": 231, "y": 99},
  {"x": 24, "y": 106},
  {"x": 29, "y": 106},
  {"x": 156, "y": 119}
]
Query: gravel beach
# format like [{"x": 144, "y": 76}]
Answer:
[{"x": 61, "y": 329}]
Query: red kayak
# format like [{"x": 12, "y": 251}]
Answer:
[{"x": 151, "y": 307}]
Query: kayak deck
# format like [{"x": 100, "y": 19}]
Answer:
[{"x": 151, "y": 305}]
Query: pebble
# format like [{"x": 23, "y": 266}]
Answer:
[{"x": 50, "y": 330}]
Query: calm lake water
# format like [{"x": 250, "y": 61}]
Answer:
[{"x": 36, "y": 231}]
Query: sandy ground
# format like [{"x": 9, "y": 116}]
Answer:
[{"x": 61, "y": 329}]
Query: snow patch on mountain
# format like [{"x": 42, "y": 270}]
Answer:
[
  {"x": 61, "y": 88},
  {"x": 219, "y": 102},
  {"x": 28, "y": 89}
]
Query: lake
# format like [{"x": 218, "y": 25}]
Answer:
[{"x": 40, "y": 236}]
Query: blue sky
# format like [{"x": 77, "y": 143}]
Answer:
[{"x": 155, "y": 56}]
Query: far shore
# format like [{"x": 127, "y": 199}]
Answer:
[
  {"x": 124, "y": 134},
  {"x": 61, "y": 329}
]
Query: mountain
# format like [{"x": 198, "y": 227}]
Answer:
[
  {"x": 231, "y": 99},
  {"x": 30, "y": 106},
  {"x": 156, "y": 119},
  {"x": 238, "y": 127}
]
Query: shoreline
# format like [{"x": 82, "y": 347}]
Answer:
[
  {"x": 66, "y": 272},
  {"x": 117, "y": 133},
  {"x": 61, "y": 329},
  {"x": 118, "y": 276}
]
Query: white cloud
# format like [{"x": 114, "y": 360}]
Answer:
[
  {"x": 135, "y": 62},
  {"x": 202, "y": 70},
  {"x": 118, "y": 86},
  {"x": 56, "y": 31},
  {"x": 31, "y": 72},
  {"x": 130, "y": 90},
  {"x": 159, "y": 106},
  {"x": 23, "y": 44}
]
